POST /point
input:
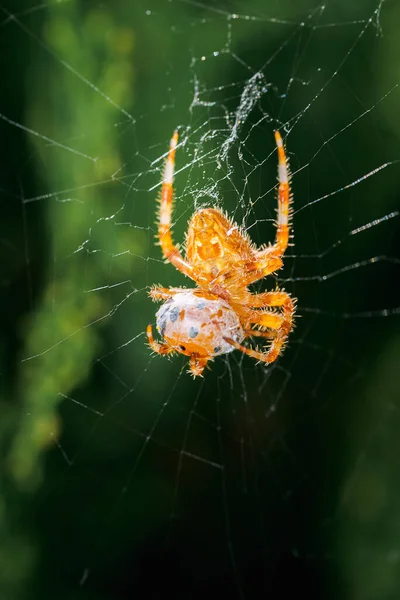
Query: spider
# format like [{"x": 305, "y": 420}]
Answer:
[{"x": 216, "y": 316}]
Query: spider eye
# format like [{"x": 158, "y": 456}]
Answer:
[{"x": 183, "y": 348}]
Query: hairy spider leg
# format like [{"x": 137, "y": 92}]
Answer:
[
  {"x": 267, "y": 357},
  {"x": 197, "y": 365},
  {"x": 288, "y": 305},
  {"x": 276, "y": 298},
  {"x": 271, "y": 320},
  {"x": 170, "y": 251},
  {"x": 266, "y": 319},
  {"x": 162, "y": 349},
  {"x": 284, "y": 199},
  {"x": 257, "y": 333},
  {"x": 280, "y": 336},
  {"x": 269, "y": 260},
  {"x": 160, "y": 293}
]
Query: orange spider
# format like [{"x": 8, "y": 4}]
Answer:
[{"x": 215, "y": 317}]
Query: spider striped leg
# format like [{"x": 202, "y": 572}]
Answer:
[
  {"x": 268, "y": 261},
  {"x": 170, "y": 251},
  {"x": 284, "y": 199},
  {"x": 162, "y": 349}
]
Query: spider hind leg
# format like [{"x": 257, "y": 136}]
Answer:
[
  {"x": 267, "y": 357},
  {"x": 162, "y": 349},
  {"x": 197, "y": 365}
]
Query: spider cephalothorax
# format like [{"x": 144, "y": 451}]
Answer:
[{"x": 215, "y": 317}]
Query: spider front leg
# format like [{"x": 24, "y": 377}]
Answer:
[
  {"x": 284, "y": 199},
  {"x": 269, "y": 260},
  {"x": 170, "y": 251}
]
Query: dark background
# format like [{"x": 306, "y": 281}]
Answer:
[{"x": 122, "y": 477}]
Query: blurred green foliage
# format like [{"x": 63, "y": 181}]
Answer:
[{"x": 62, "y": 340}]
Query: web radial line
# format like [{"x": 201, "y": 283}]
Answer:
[
  {"x": 182, "y": 453},
  {"x": 46, "y": 139},
  {"x": 228, "y": 526},
  {"x": 65, "y": 64}
]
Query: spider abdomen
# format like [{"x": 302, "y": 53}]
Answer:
[{"x": 194, "y": 323}]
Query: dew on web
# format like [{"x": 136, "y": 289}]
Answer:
[{"x": 119, "y": 469}]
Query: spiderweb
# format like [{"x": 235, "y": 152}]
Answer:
[{"x": 122, "y": 473}]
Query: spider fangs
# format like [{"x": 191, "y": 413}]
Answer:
[{"x": 216, "y": 316}]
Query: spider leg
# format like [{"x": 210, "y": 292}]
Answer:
[
  {"x": 284, "y": 199},
  {"x": 268, "y": 261},
  {"x": 279, "y": 336},
  {"x": 170, "y": 251},
  {"x": 276, "y": 298},
  {"x": 162, "y": 349},
  {"x": 266, "y": 319},
  {"x": 263, "y": 264},
  {"x": 257, "y": 333},
  {"x": 288, "y": 308},
  {"x": 271, "y": 320},
  {"x": 267, "y": 357},
  {"x": 160, "y": 293},
  {"x": 197, "y": 365}
]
